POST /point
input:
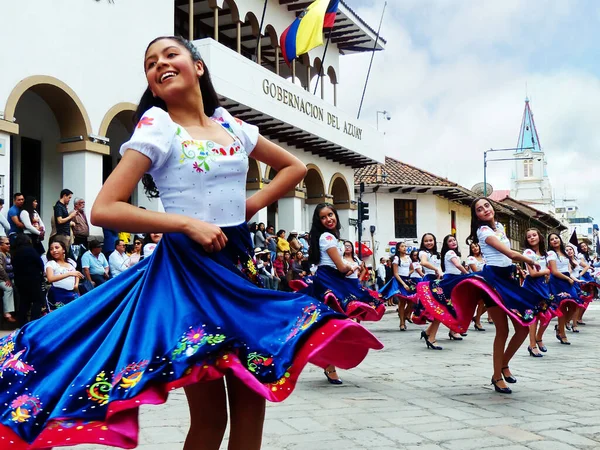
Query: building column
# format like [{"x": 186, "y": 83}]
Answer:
[
  {"x": 216, "y": 36},
  {"x": 238, "y": 37},
  {"x": 290, "y": 214},
  {"x": 82, "y": 174},
  {"x": 5, "y": 169},
  {"x": 191, "y": 20},
  {"x": 277, "y": 50}
]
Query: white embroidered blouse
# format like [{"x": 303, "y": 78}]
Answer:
[{"x": 197, "y": 178}]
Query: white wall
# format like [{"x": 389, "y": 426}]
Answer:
[{"x": 95, "y": 47}]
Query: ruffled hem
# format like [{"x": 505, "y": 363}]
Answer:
[
  {"x": 340, "y": 342},
  {"x": 393, "y": 288},
  {"x": 356, "y": 309}
]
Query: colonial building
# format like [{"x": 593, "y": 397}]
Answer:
[
  {"x": 73, "y": 72},
  {"x": 530, "y": 183},
  {"x": 406, "y": 202}
]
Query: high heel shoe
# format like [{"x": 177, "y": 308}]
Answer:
[
  {"x": 499, "y": 389},
  {"x": 477, "y": 327},
  {"x": 455, "y": 338},
  {"x": 331, "y": 380},
  {"x": 541, "y": 347},
  {"x": 402, "y": 327},
  {"x": 531, "y": 353},
  {"x": 430, "y": 345},
  {"x": 510, "y": 378},
  {"x": 563, "y": 340}
]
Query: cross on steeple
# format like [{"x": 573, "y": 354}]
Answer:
[{"x": 528, "y": 136}]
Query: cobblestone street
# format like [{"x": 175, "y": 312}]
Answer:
[{"x": 408, "y": 397}]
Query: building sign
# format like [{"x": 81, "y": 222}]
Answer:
[{"x": 298, "y": 103}]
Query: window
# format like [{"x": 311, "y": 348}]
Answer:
[
  {"x": 405, "y": 218},
  {"x": 528, "y": 168}
]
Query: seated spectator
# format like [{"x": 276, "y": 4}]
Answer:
[
  {"x": 279, "y": 267},
  {"x": 29, "y": 279},
  {"x": 152, "y": 241},
  {"x": 63, "y": 276},
  {"x": 136, "y": 253},
  {"x": 295, "y": 245},
  {"x": 118, "y": 259},
  {"x": 94, "y": 264},
  {"x": 296, "y": 267},
  {"x": 6, "y": 274},
  {"x": 260, "y": 236},
  {"x": 282, "y": 244}
]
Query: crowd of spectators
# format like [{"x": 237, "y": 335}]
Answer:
[{"x": 34, "y": 281}]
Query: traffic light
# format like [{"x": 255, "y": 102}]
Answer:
[{"x": 363, "y": 211}]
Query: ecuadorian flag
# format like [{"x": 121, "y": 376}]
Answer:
[{"x": 306, "y": 32}]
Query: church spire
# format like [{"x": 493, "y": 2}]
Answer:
[{"x": 528, "y": 136}]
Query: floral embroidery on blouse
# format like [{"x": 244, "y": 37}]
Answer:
[{"x": 145, "y": 121}]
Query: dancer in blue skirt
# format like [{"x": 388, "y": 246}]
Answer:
[
  {"x": 475, "y": 263},
  {"x": 401, "y": 286},
  {"x": 563, "y": 287},
  {"x": 537, "y": 281},
  {"x": 187, "y": 316}
]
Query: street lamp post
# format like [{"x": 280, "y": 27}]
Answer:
[
  {"x": 485, "y": 161},
  {"x": 385, "y": 114}
]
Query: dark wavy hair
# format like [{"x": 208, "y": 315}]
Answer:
[
  {"x": 210, "y": 99},
  {"x": 412, "y": 253},
  {"x": 475, "y": 222},
  {"x": 542, "y": 245},
  {"x": 28, "y": 205},
  {"x": 446, "y": 249},
  {"x": 317, "y": 229},
  {"x": 352, "y": 252},
  {"x": 562, "y": 248},
  {"x": 434, "y": 250},
  {"x": 471, "y": 248},
  {"x": 586, "y": 255}
]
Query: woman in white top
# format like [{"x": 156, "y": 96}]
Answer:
[
  {"x": 429, "y": 258},
  {"x": 504, "y": 297},
  {"x": 578, "y": 271},
  {"x": 562, "y": 286},
  {"x": 152, "y": 240},
  {"x": 34, "y": 227},
  {"x": 331, "y": 284},
  {"x": 204, "y": 323},
  {"x": 537, "y": 282},
  {"x": 438, "y": 297},
  {"x": 475, "y": 263},
  {"x": 63, "y": 276},
  {"x": 591, "y": 285},
  {"x": 417, "y": 274},
  {"x": 401, "y": 286}
]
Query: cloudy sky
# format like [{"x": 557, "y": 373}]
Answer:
[{"x": 454, "y": 77}]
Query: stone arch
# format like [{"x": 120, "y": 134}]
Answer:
[
  {"x": 72, "y": 118},
  {"x": 123, "y": 111},
  {"x": 233, "y": 7},
  {"x": 273, "y": 37},
  {"x": 338, "y": 189},
  {"x": 332, "y": 75},
  {"x": 253, "y": 21},
  {"x": 314, "y": 182}
]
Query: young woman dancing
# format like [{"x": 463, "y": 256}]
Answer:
[
  {"x": 189, "y": 315},
  {"x": 436, "y": 295},
  {"x": 566, "y": 300},
  {"x": 429, "y": 258},
  {"x": 401, "y": 285},
  {"x": 536, "y": 282},
  {"x": 475, "y": 262}
]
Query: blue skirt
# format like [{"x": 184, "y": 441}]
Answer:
[
  {"x": 181, "y": 316},
  {"x": 58, "y": 297},
  {"x": 564, "y": 293},
  {"x": 345, "y": 295},
  {"x": 393, "y": 287}
]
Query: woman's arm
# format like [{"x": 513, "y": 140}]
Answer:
[
  {"x": 334, "y": 254},
  {"x": 52, "y": 278},
  {"x": 584, "y": 266},
  {"x": 111, "y": 209},
  {"x": 397, "y": 275},
  {"x": 420, "y": 272},
  {"x": 495, "y": 243},
  {"x": 24, "y": 216},
  {"x": 290, "y": 171},
  {"x": 425, "y": 263},
  {"x": 458, "y": 265},
  {"x": 555, "y": 272}
]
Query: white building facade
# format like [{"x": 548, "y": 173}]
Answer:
[{"x": 68, "y": 93}]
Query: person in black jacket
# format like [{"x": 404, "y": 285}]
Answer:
[{"x": 29, "y": 278}]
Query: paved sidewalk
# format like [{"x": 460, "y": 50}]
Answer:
[{"x": 408, "y": 397}]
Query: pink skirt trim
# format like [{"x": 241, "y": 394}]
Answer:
[{"x": 340, "y": 342}]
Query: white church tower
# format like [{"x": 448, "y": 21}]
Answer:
[{"x": 530, "y": 182}]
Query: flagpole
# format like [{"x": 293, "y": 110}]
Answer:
[
  {"x": 372, "y": 55},
  {"x": 262, "y": 20},
  {"x": 321, "y": 73}
]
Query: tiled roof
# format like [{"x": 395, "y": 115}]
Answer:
[
  {"x": 499, "y": 195},
  {"x": 399, "y": 173}
]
